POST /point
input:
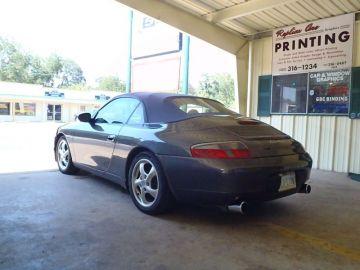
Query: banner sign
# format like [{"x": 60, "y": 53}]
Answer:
[
  {"x": 321, "y": 45},
  {"x": 329, "y": 92}
]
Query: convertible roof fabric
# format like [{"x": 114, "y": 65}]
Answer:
[
  {"x": 162, "y": 107},
  {"x": 158, "y": 106}
]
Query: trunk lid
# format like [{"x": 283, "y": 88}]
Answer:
[{"x": 261, "y": 139}]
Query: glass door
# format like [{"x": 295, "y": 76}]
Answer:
[
  {"x": 50, "y": 112},
  {"x": 53, "y": 112},
  {"x": 57, "y": 112}
]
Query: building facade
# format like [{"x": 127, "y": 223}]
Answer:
[
  {"x": 35, "y": 103},
  {"x": 332, "y": 140}
]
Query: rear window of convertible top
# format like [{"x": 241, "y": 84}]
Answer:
[{"x": 194, "y": 105}]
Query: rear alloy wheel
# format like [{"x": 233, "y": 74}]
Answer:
[
  {"x": 147, "y": 185},
  {"x": 63, "y": 157}
]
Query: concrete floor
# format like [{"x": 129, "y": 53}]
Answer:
[
  {"x": 27, "y": 146},
  {"x": 53, "y": 221}
]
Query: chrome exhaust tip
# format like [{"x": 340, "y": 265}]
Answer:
[
  {"x": 306, "y": 189},
  {"x": 241, "y": 208}
]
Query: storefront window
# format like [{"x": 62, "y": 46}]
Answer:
[
  {"x": 25, "y": 109},
  {"x": 4, "y": 108},
  {"x": 289, "y": 93}
]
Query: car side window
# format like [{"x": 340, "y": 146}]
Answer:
[
  {"x": 137, "y": 118},
  {"x": 117, "y": 111}
]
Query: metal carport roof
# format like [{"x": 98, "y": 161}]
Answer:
[
  {"x": 246, "y": 18},
  {"x": 251, "y": 17}
]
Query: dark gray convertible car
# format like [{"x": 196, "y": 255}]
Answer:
[{"x": 166, "y": 147}]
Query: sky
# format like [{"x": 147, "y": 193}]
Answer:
[{"x": 93, "y": 33}]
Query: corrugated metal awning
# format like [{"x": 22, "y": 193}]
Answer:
[{"x": 248, "y": 18}]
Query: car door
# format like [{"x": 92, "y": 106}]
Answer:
[
  {"x": 94, "y": 143},
  {"x": 129, "y": 137}
]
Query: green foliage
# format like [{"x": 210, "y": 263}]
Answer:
[
  {"x": 70, "y": 74},
  {"x": 218, "y": 86},
  {"x": 111, "y": 83},
  {"x": 16, "y": 65},
  {"x": 80, "y": 87}
]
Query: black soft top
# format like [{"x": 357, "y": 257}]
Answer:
[{"x": 160, "y": 109}]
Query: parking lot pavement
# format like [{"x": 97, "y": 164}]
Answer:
[
  {"x": 27, "y": 146},
  {"x": 53, "y": 221}
]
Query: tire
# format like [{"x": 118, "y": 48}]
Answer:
[
  {"x": 63, "y": 157},
  {"x": 148, "y": 185}
]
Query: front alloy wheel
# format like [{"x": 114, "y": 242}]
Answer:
[
  {"x": 148, "y": 186},
  {"x": 63, "y": 157}
]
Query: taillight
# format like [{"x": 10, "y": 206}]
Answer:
[
  {"x": 209, "y": 153},
  {"x": 232, "y": 150}
]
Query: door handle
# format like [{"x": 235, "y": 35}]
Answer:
[{"x": 111, "y": 138}]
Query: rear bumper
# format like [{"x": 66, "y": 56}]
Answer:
[{"x": 229, "y": 181}]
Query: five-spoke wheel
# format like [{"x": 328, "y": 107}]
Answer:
[
  {"x": 63, "y": 157},
  {"x": 63, "y": 154},
  {"x": 147, "y": 184}
]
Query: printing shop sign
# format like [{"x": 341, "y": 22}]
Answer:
[{"x": 315, "y": 46}]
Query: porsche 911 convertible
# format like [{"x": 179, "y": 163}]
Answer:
[{"x": 166, "y": 147}]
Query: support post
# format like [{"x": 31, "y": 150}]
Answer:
[
  {"x": 130, "y": 36},
  {"x": 241, "y": 85},
  {"x": 249, "y": 85},
  {"x": 185, "y": 64}
]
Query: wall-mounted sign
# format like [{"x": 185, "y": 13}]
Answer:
[
  {"x": 329, "y": 92},
  {"x": 54, "y": 93},
  {"x": 151, "y": 37},
  {"x": 102, "y": 97},
  {"x": 315, "y": 46}
]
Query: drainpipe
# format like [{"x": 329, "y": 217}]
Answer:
[
  {"x": 185, "y": 64},
  {"x": 128, "y": 76}
]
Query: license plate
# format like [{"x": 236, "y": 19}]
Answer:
[{"x": 288, "y": 181}]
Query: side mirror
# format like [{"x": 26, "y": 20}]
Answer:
[{"x": 84, "y": 117}]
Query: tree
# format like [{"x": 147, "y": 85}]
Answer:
[
  {"x": 16, "y": 65},
  {"x": 37, "y": 71},
  {"x": 61, "y": 72},
  {"x": 73, "y": 73},
  {"x": 219, "y": 86},
  {"x": 111, "y": 83}
]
